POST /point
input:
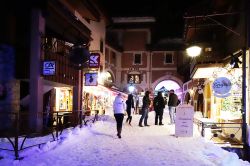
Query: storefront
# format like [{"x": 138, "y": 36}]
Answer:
[
  {"x": 63, "y": 99},
  {"x": 216, "y": 95},
  {"x": 99, "y": 98}
]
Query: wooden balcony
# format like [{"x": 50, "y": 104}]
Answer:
[{"x": 58, "y": 51}]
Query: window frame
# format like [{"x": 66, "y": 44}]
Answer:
[
  {"x": 137, "y": 53},
  {"x": 165, "y": 58}
]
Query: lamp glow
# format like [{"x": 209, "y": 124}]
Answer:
[
  {"x": 131, "y": 88},
  {"x": 193, "y": 51}
]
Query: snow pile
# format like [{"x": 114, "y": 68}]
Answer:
[{"x": 98, "y": 145}]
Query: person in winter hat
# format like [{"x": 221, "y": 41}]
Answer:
[
  {"x": 119, "y": 108},
  {"x": 130, "y": 106}
]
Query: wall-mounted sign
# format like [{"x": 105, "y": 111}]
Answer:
[
  {"x": 222, "y": 87},
  {"x": 94, "y": 60},
  {"x": 134, "y": 78},
  {"x": 49, "y": 68},
  {"x": 91, "y": 79}
]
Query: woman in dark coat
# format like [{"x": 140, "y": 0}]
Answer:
[
  {"x": 130, "y": 105},
  {"x": 159, "y": 105}
]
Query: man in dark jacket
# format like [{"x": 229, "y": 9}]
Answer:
[
  {"x": 159, "y": 105},
  {"x": 145, "y": 109},
  {"x": 130, "y": 106},
  {"x": 172, "y": 103}
]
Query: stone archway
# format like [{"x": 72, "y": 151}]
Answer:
[
  {"x": 169, "y": 82},
  {"x": 167, "y": 77},
  {"x": 111, "y": 75}
]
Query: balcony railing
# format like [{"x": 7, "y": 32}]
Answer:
[{"x": 17, "y": 129}]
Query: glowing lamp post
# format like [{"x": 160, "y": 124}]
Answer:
[
  {"x": 131, "y": 88},
  {"x": 193, "y": 51}
]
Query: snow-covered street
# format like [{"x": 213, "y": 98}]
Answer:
[{"x": 98, "y": 145}]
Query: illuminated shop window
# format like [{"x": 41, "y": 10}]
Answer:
[{"x": 134, "y": 78}]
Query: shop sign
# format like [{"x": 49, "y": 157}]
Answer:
[
  {"x": 134, "y": 78},
  {"x": 49, "y": 68},
  {"x": 94, "y": 60},
  {"x": 184, "y": 120},
  {"x": 91, "y": 79},
  {"x": 222, "y": 87}
]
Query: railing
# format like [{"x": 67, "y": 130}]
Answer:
[
  {"x": 221, "y": 133},
  {"x": 17, "y": 127}
]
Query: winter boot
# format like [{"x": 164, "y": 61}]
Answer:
[
  {"x": 161, "y": 123},
  {"x": 119, "y": 133},
  {"x": 130, "y": 119},
  {"x": 156, "y": 121},
  {"x": 140, "y": 122}
]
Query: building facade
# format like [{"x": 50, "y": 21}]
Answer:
[{"x": 132, "y": 61}]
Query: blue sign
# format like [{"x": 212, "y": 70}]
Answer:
[
  {"x": 222, "y": 87},
  {"x": 49, "y": 68}
]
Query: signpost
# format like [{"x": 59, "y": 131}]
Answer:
[{"x": 184, "y": 121}]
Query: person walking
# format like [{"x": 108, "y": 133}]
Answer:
[
  {"x": 159, "y": 105},
  {"x": 172, "y": 103},
  {"x": 145, "y": 109},
  {"x": 137, "y": 104},
  {"x": 130, "y": 105},
  {"x": 119, "y": 108}
]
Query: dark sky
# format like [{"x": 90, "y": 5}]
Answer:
[{"x": 168, "y": 13}]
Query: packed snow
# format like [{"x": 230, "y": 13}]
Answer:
[{"x": 98, "y": 145}]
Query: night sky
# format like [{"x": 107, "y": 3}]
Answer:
[{"x": 168, "y": 13}]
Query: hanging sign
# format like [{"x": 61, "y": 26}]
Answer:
[
  {"x": 94, "y": 60},
  {"x": 91, "y": 79},
  {"x": 49, "y": 68},
  {"x": 222, "y": 87}
]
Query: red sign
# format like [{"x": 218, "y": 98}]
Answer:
[{"x": 94, "y": 60}]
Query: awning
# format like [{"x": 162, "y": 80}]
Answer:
[{"x": 205, "y": 70}]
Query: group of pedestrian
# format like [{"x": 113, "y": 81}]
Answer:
[{"x": 119, "y": 107}]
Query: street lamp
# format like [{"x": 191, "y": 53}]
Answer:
[
  {"x": 131, "y": 88},
  {"x": 193, "y": 51}
]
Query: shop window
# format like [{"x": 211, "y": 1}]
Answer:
[
  {"x": 168, "y": 58},
  {"x": 137, "y": 58},
  {"x": 64, "y": 99}
]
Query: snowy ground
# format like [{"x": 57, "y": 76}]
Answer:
[{"x": 98, "y": 145}]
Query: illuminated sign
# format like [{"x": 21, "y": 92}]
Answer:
[
  {"x": 91, "y": 79},
  {"x": 94, "y": 60},
  {"x": 49, "y": 68},
  {"x": 134, "y": 78},
  {"x": 222, "y": 87}
]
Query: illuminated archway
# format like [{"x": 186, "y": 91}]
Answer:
[{"x": 167, "y": 85}]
